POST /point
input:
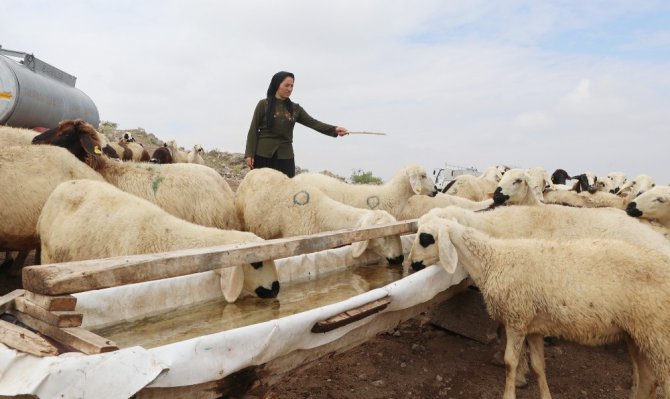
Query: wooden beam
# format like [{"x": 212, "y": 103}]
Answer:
[
  {"x": 7, "y": 300},
  {"x": 71, "y": 277},
  {"x": 58, "y": 303},
  {"x": 75, "y": 337},
  {"x": 351, "y": 315},
  {"x": 25, "y": 340},
  {"x": 64, "y": 318}
]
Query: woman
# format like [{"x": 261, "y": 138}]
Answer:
[{"x": 270, "y": 137}]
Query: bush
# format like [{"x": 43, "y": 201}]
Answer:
[{"x": 360, "y": 177}]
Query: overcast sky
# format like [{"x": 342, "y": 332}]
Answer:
[{"x": 578, "y": 85}]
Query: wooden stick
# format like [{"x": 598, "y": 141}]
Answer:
[
  {"x": 64, "y": 278},
  {"x": 55, "y": 318},
  {"x": 375, "y": 133},
  {"x": 25, "y": 340},
  {"x": 7, "y": 300},
  {"x": 351, "y": 315},
  {"x": 76, "y": 337}
]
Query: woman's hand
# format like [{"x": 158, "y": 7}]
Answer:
[
  {"x": 250, "y": 162},
  {"x": 341, "y": 131}
]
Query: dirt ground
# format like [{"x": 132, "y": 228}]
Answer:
[
  {"x": 418, "y": 359},
  {"x": 421, "y": 360}
]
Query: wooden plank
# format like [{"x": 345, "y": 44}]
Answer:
[
  {"x": 75, "y": 337},
  {"x": 25, "y": 340},
  {"x": 65, "y": 318},
  {"x": 58, "y": 303},
  {"x": 71, "y": 277},
  {"x": 351, "y": 315},
  {"x": 7, "y": 300}
]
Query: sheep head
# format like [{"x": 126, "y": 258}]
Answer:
[
  {"x": 78, "y": 137},
  {"x": 517, "y": 187},
  {"x": 653, "y": 204},
  {"x": 389, "y": 247},
  {"x": 419, "y": 181}
]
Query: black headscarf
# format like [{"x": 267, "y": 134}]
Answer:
[{"x": 277, "y": 78}]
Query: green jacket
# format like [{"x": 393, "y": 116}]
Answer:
[{"x": 279, "y": 139}]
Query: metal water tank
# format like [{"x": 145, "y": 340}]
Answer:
[{"x": 34, "y": 93}]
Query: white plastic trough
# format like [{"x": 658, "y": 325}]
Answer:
[{"x": 246, "y": 358}]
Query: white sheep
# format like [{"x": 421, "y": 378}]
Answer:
[
  {"x": 192, "y": 192},
  {"x": 476, "y": 188},
  {"x": 272, "y": 205},
  {"x": 86, "y": 219},
  {"x": 195, "y": 155},
  {"x": 391, "y": 196},
  {"x": 178, "y": 156},
  {"x": 611, "y": 183},
  {"x": 591, "y": 291},
  {"x": 652, "y": 205},
  {"x": 632, "y": 188},
  {"x": 33, "y": 171},
  {"x": 418, "y": 205}
]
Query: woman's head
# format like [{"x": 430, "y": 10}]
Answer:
[{"x": 281, "y": 85}]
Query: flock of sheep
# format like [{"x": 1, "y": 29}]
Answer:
[{"x": 587, "y": 262}]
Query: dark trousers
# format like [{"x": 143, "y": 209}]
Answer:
[{"x": 286, "y": 166}]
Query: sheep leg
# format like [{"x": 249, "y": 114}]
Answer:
[
  {"x": 522, "y": 370},
  {"x": 643, "y": 380},
  {"x": 513, "y": 348},
  {"x": 17, "y": 266},
  {"x": 536, "y": 345}
]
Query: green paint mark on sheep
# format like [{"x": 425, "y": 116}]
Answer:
[
  {"x": 373, "y": 202},
  {"x": 301, "y": 198},
  {"x": 156, "y": 183}
]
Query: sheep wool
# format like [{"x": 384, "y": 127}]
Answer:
[
  {"x": 391, "y": 196},
  {"x": 272, "y": 205},
  {"x": 590, "y": 291},
  {"x": 86, "y": 219}
]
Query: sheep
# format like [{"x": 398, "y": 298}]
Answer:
[
  {"x": 418, "y": 205},
  {"x": 553, "y": 222},
  {"x": 632, "y": 188},
  {"x": 272, "y": 205},
  {"x": 34, "y": 171},
  {"x": 560, "y": 176},
  {"x": 611, "y": 183},
  {"x": 591, "y": 291},
  {"x": 195, "y": 156},
  {"x": 178, "y": 156},
  {"x": 87, "y": 219},
  {"x": 391, "y": 196},
  {"x": 475, "y": 188},
  {"x": 652, "y": 205},
  {"x": 192, "y": 192},
  {"x": 130, "y": 150},
  {"x": 161, "y": 155},
  {"x": 585, "y": 182}
]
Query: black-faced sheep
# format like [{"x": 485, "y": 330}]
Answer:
[
  {"x": 195, "y": 193},
  {"x": 161, "y": 155},
  {"x": 391, "y": 196},
  {"x": 85, "y": 219},
  {"x": 591, "y": 291},
  {"x": 272, "y": 205}
]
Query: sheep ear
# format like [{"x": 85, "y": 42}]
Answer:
[
  {"x": 232, "y": 282},
  {"x": 358, "y": 248},
  {"x": 447, "y": 251},
  {"x": 415, "y": 182}
]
